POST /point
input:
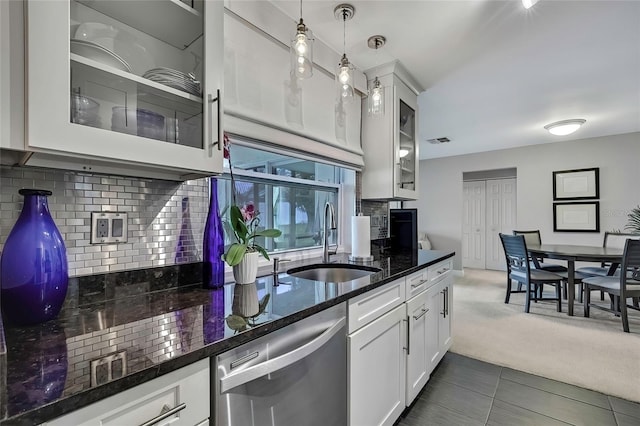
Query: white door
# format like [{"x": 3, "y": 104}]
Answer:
[
  {"x": 501, "y": 217},
  {"x": 473, "y": 225},
  {"x": 377, "y": 394}
]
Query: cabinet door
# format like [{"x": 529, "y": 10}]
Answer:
[
  {"x": 405, "y": 150},
  {"x": 444, "y": 326},
  {"x": 434, "y": 303},
  {"x": 91, "y": 91},
  {"x": 418, "y": 317},
  {"x": 376, "y": 388}
]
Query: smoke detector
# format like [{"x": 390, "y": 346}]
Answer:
[{"x": 439, "y": 140}]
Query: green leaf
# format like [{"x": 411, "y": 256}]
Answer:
[
  {"x": 235, "y": 254},
  {"x": 262, "y": 251},
  {"x": 236, "y": 322},
  {"x": 269, "y": 233}
]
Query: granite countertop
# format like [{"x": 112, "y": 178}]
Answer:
[{"x": 122, "y": 329}]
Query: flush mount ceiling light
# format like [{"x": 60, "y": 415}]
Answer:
[
  {"x": 302, "y": 51},
  {"x": 344, "y": 73},
  {"x": 565, "y": 127},
  {"x": 376, "y": 92},
  {"x": 528, "y": 3}
]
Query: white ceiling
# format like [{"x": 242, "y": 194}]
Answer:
[{"x": 496, "y": 73}]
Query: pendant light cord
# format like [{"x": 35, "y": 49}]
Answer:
[
  {"x": 300, "y": 9},
  {"x": 344, "y": 31}
]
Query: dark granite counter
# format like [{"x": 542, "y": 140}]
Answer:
[{"x": 122, "y": 329}]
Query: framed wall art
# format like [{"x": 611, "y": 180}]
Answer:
[
  {"x": 581, "y": 184},
  {"x": 581, "y": 216}
]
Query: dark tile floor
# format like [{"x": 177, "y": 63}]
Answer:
[{"x": 465, "y": 391}]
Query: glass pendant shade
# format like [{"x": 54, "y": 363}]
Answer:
[
  {"x": 302, "y": 52},
  {"x": 344, "y": 80},
  {"x": 376, "y": 99}
]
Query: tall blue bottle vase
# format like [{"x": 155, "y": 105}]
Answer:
[
  {"x": 213, "y": 242},
  {"x": 33, "y": 267}
]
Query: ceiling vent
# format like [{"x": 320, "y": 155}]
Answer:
[{"x": 438, "y": 140}]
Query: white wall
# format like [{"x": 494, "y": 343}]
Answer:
[{"x": 440, "y": 202}]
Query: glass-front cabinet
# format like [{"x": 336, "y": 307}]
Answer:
[
  {"x": 134, "y": 82},
  {"x": 405, "y": 148},
  {"x": 389, "y": 143}
]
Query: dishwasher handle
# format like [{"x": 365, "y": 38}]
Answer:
[{"x": 233, "y": 380}]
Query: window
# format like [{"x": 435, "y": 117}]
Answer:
[{"x": 290, "y": 194}]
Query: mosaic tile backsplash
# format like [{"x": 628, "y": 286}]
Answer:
[{"x": 165, "y": 218}]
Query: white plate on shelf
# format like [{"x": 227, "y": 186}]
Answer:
[
  {"x": 98, "y": 53},
  {"x": 117, "y": 41}
]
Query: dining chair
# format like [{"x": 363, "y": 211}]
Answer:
[
  {"x": 614, "y": 240},
  {"x": 519, "y": 269},
  {"x": 533, "y": 238},
  {"x": 623, "y": 286}
]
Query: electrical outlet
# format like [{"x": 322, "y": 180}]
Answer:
[
  {"x": 108, "y": 227},
  {"x": 102, "y": 226}
]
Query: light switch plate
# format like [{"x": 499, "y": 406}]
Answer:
[{"x": 108, "y": 227}]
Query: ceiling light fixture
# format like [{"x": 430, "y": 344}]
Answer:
[
  {"x": 565, "y": 127},
  {"x": 528, "y": 3},
  {"x": 302, "y": 51},
  {"x": 344, "y": 73},
  {"x": 376, "y": 92}
]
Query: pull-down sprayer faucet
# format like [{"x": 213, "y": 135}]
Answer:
[{"x": 329, "y": 223}]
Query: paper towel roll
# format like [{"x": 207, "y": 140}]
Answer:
[{"x": 360, "y": 236}]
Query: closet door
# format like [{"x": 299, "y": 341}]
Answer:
[
  {"x": 473, "y": 225},
  {"x": 501, "y": 217}
]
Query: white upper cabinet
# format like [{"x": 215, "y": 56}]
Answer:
[
  {"x": 389, "y": 141},
  {"x": 133, "y": 84},
  {"x": 263, "y": 101}
]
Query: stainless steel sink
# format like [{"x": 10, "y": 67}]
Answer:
[{"x": 333, "y": 273}]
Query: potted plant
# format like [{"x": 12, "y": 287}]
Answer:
[
  {"x": 244, "y": 226},
  {"x": 633, "y": 224}
]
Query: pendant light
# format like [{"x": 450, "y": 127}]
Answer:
[
  {"x": 376, "y": 91},
  {"x": 302, "y": 51},
  {"x": 344, "y": 73}
]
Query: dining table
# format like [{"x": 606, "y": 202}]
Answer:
[{"x": 576, "y": 253}]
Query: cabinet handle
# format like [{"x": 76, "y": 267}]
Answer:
[
  {"x": 211, "y": 100},
  {"x": 444, "y": 304},
  {"x": 447, "y": 300},
  {"x": 422, "y": 313},
  {"x": 166, "y": 412},
  {"x": 419, "y": 283},
  {"x": 408, "y": 335},
  {"x": 442, "y": 271}
]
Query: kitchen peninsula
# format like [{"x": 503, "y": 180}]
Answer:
[{"x": 151, "y": 322}]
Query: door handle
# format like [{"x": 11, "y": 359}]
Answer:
[
  {"x": 418, "y": 284},
  {"x": 164, "y": 413},
  {"x": 233, "y": 380},
  {"x": 422, "y": 313},
  {"x": 219, "y": 131}
]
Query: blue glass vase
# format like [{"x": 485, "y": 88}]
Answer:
[
  {"x": 33, "y": 268},
  {"x": 213, "y": 243}
]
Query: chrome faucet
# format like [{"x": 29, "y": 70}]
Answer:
[
  {"x": 276, "y": 266},
  {"x": 329, "y": 223}
]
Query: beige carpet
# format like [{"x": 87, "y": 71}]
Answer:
[{"x": 590, "y": 352}]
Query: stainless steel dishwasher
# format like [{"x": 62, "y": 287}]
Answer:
[{"x": 294, "y": 376}]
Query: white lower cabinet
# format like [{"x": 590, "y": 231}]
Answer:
[
  {"x": 439, "y": 328},
  {"x": 420, "y": 317},
  {"x": 376, "y": 388},
  {"x": 184, "y": 393},
  {"x": 398, "y": 333}
]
